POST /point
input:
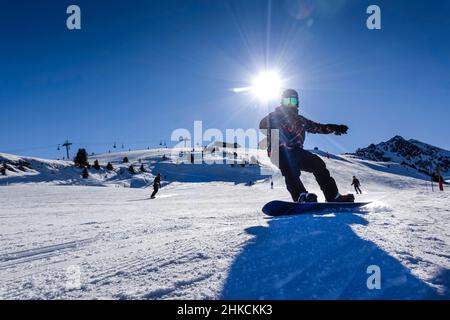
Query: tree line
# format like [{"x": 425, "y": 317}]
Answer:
[{"x": 81, "y": 161}]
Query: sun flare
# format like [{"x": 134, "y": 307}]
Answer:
[{"x": 267, "y": 86}]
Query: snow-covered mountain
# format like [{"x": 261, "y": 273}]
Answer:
[
  {"x": 399, "y": 156},
  {"x": 412, "y": 153}
]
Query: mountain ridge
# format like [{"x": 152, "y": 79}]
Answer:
[{"x": 413, "y": 153}]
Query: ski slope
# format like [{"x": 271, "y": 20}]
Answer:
[{"x": 204, "y": 237}]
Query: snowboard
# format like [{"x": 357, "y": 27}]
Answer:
[{"x": 284, "y": 208}]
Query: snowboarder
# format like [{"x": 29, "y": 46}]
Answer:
[
  {"x": 293, "y": 158},
  {"x": 357, "y": 185},
  {"x": 156, "y": 185}
]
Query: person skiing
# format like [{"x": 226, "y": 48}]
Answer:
[
  {"x": 293, "y": 159},
  {"x": 357, "y": 185},
  {"x": 156, "y": 185}
]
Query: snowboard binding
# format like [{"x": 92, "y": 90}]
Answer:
[
  {"x": 345, "y": 198},
  {"x": 307, "y": 197}
]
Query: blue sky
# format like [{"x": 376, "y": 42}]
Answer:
[{"x": 140, "y": 69}]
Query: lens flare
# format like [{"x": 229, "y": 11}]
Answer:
[{"x": 267, "y": 86}]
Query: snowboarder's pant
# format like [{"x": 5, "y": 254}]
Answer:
[
  {"x": 293, "y": 161},
  {"x": 155, "y": 191},
  {"x": 357, "y": 189}
]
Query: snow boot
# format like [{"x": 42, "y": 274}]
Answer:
[{"x": 307, "y": 197}]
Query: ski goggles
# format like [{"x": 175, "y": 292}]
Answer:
[{"x": 292, "y": 101}]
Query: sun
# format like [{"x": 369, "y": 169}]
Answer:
[{"x": 266, "y": 86}]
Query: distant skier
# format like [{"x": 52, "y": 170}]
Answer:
[
  {"x": 156, "y": 185},
  {"x": 293, "y": 158},
  {"x": 440, "y": 179},
  {"x": 357, "y": 185}
]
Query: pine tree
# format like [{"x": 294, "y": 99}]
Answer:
[
  {"x": 131, "y": 169},
  {"x": 81, "y": 159},
  {"x": 85, "y": 174},
  {"x": 3, "y": 170},
  {"x": 142, "y": 168},
  {"x": 125, "y": 160},
  {"x": 109, "y": 167},
  {"x": 96, "y": 165}
]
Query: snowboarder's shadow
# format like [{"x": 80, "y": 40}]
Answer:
[{"x": 317, "y": 257}]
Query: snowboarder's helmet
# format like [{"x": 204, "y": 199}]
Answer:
[{"x": 289, "y": 98}]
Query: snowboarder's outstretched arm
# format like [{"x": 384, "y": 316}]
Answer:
[{"x": 314, "y": 127}]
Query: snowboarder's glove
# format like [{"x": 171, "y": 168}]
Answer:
[{"x": 340, "y": 129}]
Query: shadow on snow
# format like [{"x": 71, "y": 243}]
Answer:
[{"x": 319, "y": 257}]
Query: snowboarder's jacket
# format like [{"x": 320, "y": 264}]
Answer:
[{"x": 292, "y": 127}]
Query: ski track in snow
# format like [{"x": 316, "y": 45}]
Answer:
[{"x": 210, "y": 240}]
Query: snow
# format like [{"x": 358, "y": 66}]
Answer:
[{"x": 204, "y": 236}]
